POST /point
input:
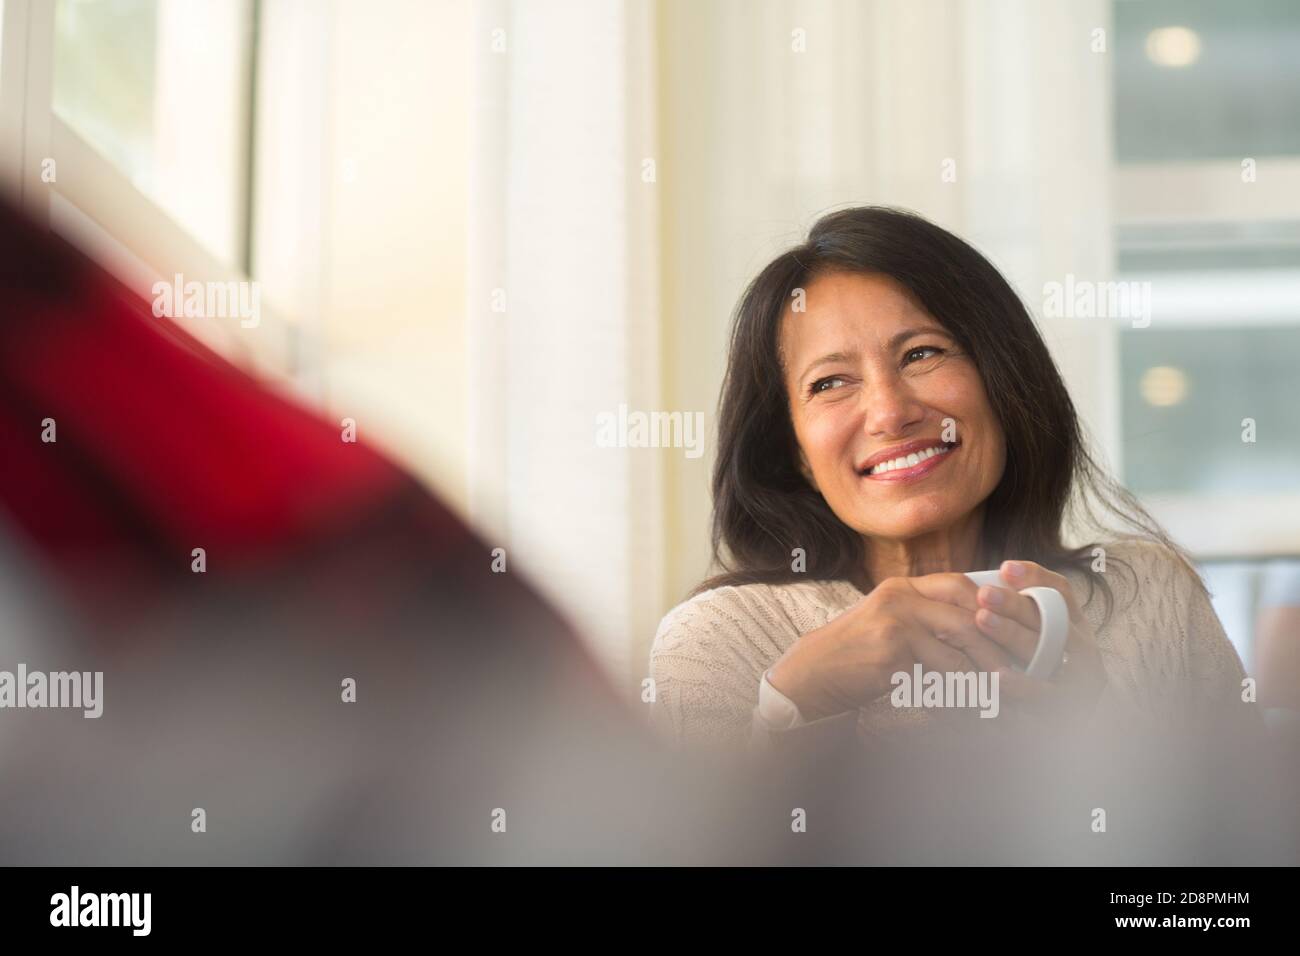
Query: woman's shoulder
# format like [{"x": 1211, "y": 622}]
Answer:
[
  {"x": 1145, "y": 582},
  {"x": 1138, "y": 566},
  {"x": 1164, "y": 641},
  {"x": 764, "y": 613},
  {"x": 1144, "y": 550}
]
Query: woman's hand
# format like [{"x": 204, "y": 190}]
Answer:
[
  {"x": 1011, "y": 620},
  {"x": 850, "y": 662}
]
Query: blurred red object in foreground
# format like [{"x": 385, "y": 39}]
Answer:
[{"x": 161, "y": 447}]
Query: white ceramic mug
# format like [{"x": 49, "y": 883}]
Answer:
[{"x": 1054, "y": 625}]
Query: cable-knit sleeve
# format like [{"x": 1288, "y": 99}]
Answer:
[{"x": 707, "y": 659}]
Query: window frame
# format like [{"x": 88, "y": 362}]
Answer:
[{"x": 94, "y": 205}]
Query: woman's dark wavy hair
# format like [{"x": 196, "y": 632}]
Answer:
[{"x": 763, "y": 506}]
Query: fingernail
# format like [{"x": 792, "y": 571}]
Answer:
[
  {"x": 993, "y": 596},
  {"x": 1013, "y": 569}
]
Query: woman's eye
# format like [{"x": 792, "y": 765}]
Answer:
[
  {"x": 823, "y": 384},
  {"x": 921, "y": 352}
]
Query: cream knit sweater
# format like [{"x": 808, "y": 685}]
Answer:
[{"x": 1163, "y": 648}]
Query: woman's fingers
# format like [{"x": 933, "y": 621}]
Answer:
[
  {"x": 955, "y": 627},
  {"x": 1019, "y": 641},
  {"x": 1027, "y": 574},
  {"x": 937, "y": 655},
  {"x": 986, "y": 654},
  {"x": 973, "y": 653},
  {"x": 950, "y": 587},
  {"x": 1012, "y": 605},
  {"x": 1009, "y": 620}
]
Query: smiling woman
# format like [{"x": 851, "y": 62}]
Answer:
[{"x": 890, "y": 419}]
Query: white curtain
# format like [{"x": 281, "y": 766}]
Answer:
[{"x": 563, "y": 307}]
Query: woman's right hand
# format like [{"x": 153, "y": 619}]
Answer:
[{"x": 851, "y": 661}]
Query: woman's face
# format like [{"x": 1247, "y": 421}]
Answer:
[{"x": 893, "y": 424}]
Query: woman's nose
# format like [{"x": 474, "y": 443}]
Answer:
[{"x": 891, "y": 408}]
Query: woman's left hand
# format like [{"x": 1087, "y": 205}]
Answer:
[{"x": 1011, "y": 620}]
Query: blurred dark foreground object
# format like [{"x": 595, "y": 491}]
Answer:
[{"x": 481, "y": 732}]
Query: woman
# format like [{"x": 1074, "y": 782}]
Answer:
[{"x": 890, "y": 418}]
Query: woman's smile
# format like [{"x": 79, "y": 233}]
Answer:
[{"x": 909, "y": 461}]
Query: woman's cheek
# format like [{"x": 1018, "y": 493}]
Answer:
[
  {"x": 956, "y": 388},
  {"x": 828, "y": 440}
]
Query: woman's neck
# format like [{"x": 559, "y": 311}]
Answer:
[{"x": 955, "y": 548}]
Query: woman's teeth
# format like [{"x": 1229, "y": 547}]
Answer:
[{"x": 909, "y": 461}]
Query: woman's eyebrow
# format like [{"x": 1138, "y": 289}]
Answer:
[
  {"x": 898, "y": 338},
  {"x": 895, "y": 340},
  {"x": 827, "y": 359}
]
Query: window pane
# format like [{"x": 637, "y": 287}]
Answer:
[
  {"x": 160, "y": 89},
  {"x": 1185, "y": 394},
  {"x": 1206, "y": 79}
]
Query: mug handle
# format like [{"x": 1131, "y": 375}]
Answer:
[{"x": 1055, "y": 628}]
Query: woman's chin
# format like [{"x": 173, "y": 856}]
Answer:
[{"x": 911, "y": 519}]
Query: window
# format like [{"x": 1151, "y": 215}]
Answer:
[
  {"x": 1208, "y": 213},
  {"x": 1207, "y": 150},
  {"x": 126, "y": 125},
  {"x": 160, "y": 89}
]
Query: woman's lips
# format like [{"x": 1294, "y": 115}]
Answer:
[{"x": 919, "y": 470}]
